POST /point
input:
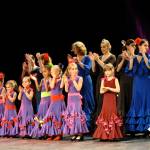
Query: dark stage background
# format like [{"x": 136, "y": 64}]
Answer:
[{"x": 54, "y": 27}]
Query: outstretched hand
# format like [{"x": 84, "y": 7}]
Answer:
[{"x": 33, "y": 77}]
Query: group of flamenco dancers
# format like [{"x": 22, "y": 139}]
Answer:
[{"x": 55, "y": 102}]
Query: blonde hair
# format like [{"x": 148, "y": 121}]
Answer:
[
  {"x": 26, "y": 78},
  {"x": 12, "y": 83},
  {"x": 82, "y": 50},
  {"x": 69, "y": 66},
  {"x": 106, "y": 42},
  {"x": 109, "y": 66},
  {"x": 57, "y": 67}
]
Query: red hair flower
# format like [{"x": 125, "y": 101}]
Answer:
[
  {"x": 46, "y": 56},
  {"x": 138, "y": 40},
  {"x": 2, "y": 75}
]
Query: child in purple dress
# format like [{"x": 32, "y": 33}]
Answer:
[
  {"x": 75, "y": 119},
  {"x": 25, "y": 115},
  {"x": 2, "y": 91},
  {"x": 9, "y": 124},
  {"x": 44, "y": 87},
  {"x": 53, "y": 121}
]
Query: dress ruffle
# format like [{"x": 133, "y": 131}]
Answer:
[{"x": 108, "y": 129}]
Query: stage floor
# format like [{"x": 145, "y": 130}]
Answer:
[{"x": 66, "y": 144}]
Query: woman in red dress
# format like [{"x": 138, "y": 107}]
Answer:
[{"x": 108, "y": 122}]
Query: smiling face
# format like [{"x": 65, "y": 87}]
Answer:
[
  {"x": 9, "y": 87},
  {"x": 131, "y": 48},
  {"x": 73, "y": 69},
  {"x": 104, "y": 48},
  {"x": 55, "y": 71},
  {"x": 26, "y": 82},
  {"x": 144, "y": 46},
  {"x": 46, "y": 72}
]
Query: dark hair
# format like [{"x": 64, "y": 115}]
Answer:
[
  {"x": 143, "y": 41},
  {"x": 61, "y": 66},
  {"x": 123, "y": 48},
  {"x": 129, "y": 41}
]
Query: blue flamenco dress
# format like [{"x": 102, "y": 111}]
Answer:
[
  {"x": 138, "y": 116},
  {"x": 87, "y": 90}
]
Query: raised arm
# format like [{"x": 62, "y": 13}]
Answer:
[
  {"x": 91, "y": 56},
  {"x": 66, "y": 84},
  {"x": 97, "y": 58},
  {"x": 78, "y": 85},
  {"x": 146, "y": 60},
  {"x": 38, "y": 87},
  {"x": 20, "y": 92},
  {"x": 120, "y": 62},
  {"x": 12, "y": 98},
  {"x": 86, "y": 65},
  {"x": 29, "y": 94},
  {"x": 53, "y": 82}
]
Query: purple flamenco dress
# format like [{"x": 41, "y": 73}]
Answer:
[
  {"x": 9, "y": 123},
  {"x": 53, "y": 121},
  {"x": 75, "y": 118},
  {"x": 43, "y": 107},
  {"x": 1, "y": 105},
  {"x": 25, "y": 116}
]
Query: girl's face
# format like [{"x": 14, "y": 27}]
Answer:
[
  {"x": 108, "y": 73},
  {"x": 55, "y": 72},
  {"x": 9, "y": 88},
  {"x": 26, "y": 83},
  {"x": 104, "y": 48},
  {"x": 45, "y": 73},
  {"x": 131, "y": 48},
  {"x": 73, "y": 70},
  {"x": 144, "y": 47}
]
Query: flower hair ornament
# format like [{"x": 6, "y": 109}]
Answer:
[
  {"x": 2, "y": 75},
  {"x": 138, "y": 40},
  {"x": 45, "y": 56},
  {"x": 123, "y": 42}
]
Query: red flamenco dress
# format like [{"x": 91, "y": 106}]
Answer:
[{"x": 108, "y": 122}]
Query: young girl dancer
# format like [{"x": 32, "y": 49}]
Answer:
[
  {"x": 108, "y": 123},
  {"x": 2, "y": 91},
  {"x": 9, "y": 121},
  {"x": 44, "y": 87},
  {"x": 25, "y": 115},
  {"x": 53, "y": 121},
  {"x": 75, "y": 119}
]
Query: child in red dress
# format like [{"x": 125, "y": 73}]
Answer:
[{"x": 108, "y": 122}]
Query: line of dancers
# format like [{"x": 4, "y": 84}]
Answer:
[{"x": 94, "y": 95}]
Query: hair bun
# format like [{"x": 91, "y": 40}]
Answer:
[
  {"x": 61, "y": 65},
  {"x": 123, "y": 42}
]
